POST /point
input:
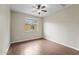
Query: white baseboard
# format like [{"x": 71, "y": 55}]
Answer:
[
  {"x": 62, "y": 44},
  {"x": 25, "y": 40},
  {"x": 7, "y": 48},
  {"x": 5, "y": 52}
]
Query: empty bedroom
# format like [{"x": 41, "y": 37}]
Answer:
[{"x": 39, "y": 29}]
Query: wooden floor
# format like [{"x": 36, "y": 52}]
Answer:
[{"x": 40, "y": 47}]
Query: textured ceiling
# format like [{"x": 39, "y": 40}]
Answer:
[{"x": 27, "y": 8}]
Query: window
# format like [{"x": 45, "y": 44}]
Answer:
[{"x": 30, "y": 25}]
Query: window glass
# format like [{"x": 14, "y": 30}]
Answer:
[{"x": 30, "y": 25}]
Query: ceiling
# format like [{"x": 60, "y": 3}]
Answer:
[{"x": 27, "y": 8}]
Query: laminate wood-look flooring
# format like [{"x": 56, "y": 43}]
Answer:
[{"x": 40, "y": 47}]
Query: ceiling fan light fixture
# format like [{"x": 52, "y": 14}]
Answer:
[{"x": 39, "y": 8}]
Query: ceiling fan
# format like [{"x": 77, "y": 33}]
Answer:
[{"x": 39, "y": 8}]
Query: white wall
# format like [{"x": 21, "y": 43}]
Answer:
[
  {"x": 63, "y": 27},
  {"x": 4, "y": 28},
  {"x": 17, "y": 29}
]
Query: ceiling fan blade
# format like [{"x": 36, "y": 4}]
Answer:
[
  {"x": 42, "y": 7},
  {"x": 39, "y": 12},
  {"x": 44, "y": 10},
  {"x": 34, "y": 7},
  {"x": 39, "y": 6}
]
